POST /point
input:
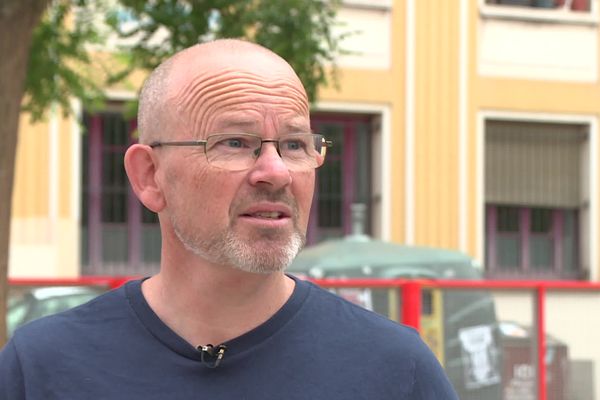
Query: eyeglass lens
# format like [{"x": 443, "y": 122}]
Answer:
[{"x": 301, "y": 151}]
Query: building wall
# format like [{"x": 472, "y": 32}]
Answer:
[
  {"x": 431, "y": 72},
  {"x": 44, "y": 227},
  {"x": 436, "y": 133},
  {"x": 530, "y": 65},
  {"x": 376, "y": 88},
  {"x": 422, "y": 89}
]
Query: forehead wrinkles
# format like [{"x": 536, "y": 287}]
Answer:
[{"x": 202, "y": 98}]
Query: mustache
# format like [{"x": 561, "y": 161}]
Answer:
[{"x": 258, "y": 195}]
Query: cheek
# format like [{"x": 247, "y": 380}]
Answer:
[
  {"x": 214, "y": 193},
  {"x": 195, "y": 190},
  {"x": 304, "y": 186}
]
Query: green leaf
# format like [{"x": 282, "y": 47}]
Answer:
[{"x": 61, "y": 65}]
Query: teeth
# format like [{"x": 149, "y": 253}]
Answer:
[{"x": 268, "y": 214}]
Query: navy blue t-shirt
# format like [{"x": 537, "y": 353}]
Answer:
[{"x": 317, "y": 346}]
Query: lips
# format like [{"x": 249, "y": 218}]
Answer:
[
  {"x": 267, "y": 212},
  {"x": 267, "y": 215}
]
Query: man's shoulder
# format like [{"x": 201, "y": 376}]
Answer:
[
  {"x": 341, "y": 329},
  {"x": 335, "y": 310}
]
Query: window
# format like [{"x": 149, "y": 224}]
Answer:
[
  {"x": 344, "y": 179},
  {"x": 119, "y": 236},
  {"x": 537, "y": 199},
  {"x": 532, "y": 241},
  {"x": 572, "y": 5}
]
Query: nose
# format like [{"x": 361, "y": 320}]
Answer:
[{"x": 269, "y": 169}]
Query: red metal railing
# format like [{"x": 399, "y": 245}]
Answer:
[
  {"x": 411, "y": 302},
  {"x": 110, "y": 282},
  {"x": 410, "y": 294}
]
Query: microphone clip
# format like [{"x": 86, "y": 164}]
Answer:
[{"x": 212, "y": 355}]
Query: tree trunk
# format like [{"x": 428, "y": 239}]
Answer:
[{"x": 18, "y": 18}]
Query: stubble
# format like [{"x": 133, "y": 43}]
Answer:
[{"x": 265, "y": 252}]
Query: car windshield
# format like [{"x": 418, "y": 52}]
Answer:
[{"x": 25, "y": 305}]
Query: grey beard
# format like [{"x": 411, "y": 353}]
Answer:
[{"x": 228, "y": 249}]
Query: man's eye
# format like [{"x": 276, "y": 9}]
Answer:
[
  {"x": 294, "y": 145},
  {"x": 235, "y": 143}
]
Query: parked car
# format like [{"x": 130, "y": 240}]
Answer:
[{"x": 27, "y": 304}]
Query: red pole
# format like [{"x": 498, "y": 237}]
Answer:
[
  {"x": 541, "y": 341},
  {"x": 411, "y": 304}
]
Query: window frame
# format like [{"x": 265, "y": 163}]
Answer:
[
  {"x": 539, "y": 14},
  {"x": 525, "y": 269},
  {"x": 348, "y": 162},
  {"x": 94, "y": 189}
]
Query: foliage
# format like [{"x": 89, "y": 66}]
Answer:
[
  {"x": 298, "y": 30},
  {"x": 60, "y": 62},
  {"x": 57, "y": 60}
]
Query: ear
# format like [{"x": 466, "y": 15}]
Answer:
[{"x": 141, "y": 168}]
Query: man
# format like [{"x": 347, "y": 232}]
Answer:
[{"x": 227, "y": 160}]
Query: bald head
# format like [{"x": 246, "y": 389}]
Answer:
[{"x": 180, "y": 94}]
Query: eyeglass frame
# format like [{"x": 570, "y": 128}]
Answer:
[{"x": 202, "y": 142}]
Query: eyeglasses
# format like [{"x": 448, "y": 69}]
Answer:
[{"x": 238, "y": 151}]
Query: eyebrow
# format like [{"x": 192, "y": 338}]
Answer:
[
  {"x": 242, "y": 124},
  {"x": 297, "y": 124},
  {"x": 248, "y": 125}
]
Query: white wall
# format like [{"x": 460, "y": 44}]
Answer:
[
  {"x": 572, "y": 318},
  {"x": 537, "y": 50},
  {"x": 368, "y": 30}
]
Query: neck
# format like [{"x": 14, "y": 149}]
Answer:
[{"x": 206, "y": 303}]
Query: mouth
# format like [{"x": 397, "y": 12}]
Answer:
[{"x": 266, "y": 215}]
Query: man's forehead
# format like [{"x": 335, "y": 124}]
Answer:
[
  {"x": 211, "y": 61},
  {"x": 251, "y": 122},
  {"x": 202, "y": 80},
  {"x": 237, "y": 91}
]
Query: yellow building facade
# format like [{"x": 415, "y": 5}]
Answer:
[{"x": 464, "y": 124}]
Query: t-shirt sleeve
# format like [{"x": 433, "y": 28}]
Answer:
[
  {"x": 11, "y": 377},
  {"x": 430, "y": 380}
]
